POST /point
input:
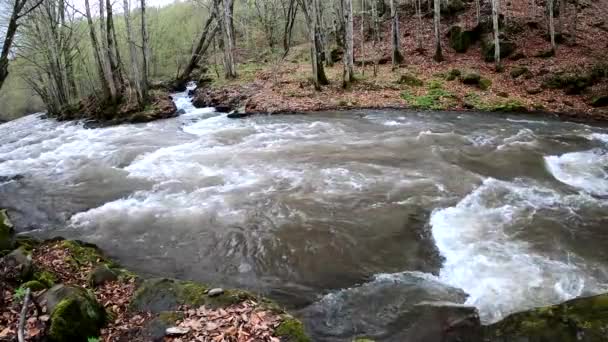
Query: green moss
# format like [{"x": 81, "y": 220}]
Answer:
[
  {"x": 471, "y": 78},
  {"x": 473, "y": 100},
  {"x": 453, "y": 74},
  {"x": 461, "y": 40},
  {"x": 291, "y": 330},
  {"x": 76, "y": 320},
  {"x": 506, "y": 49},
  {"x": 484, "y": 84},
  {"x": 26, "y": 242},
  {"x": 436, "y": 97},
  {"x": 45, "y": 277},
  {"x": 7, "y": 232},
  {"x": 359, "y": 339},
  {"x": 410, "y": 80},
  {"x": 170, "y": 317},
  {"x": 518, "y": 71},
  {"x": 34, "y": 285},
  {"x": 83, "y": 254}
]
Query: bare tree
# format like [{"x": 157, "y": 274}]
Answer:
[
  {"x": 348, "y": 75},
  {"x": 550, "y": 5},
  {"x": 290, "y": 12},
  {"x": 145, "y": 51},
  {"x": 136, "y": 78},
  {"x": 495, "y": 7},
  {"x": 21, "y": 8},
  {"x": 205, "y": 39},
  {"x": 223, "y": 10},
  {"x": 100, "y": 62},
  {"x": 310, "y": 9},
  {"x": 396, "y": 55},
  {"x": 436, "y": 21}
]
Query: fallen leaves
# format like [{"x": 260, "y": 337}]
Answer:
[{"x": 242, "y": 322}]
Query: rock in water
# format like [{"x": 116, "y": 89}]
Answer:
[
  {"x": 7, "y": 232},
  {"x": 102, "y": 274},
  {"x": 580, "y": 319},
  {"x": 215, "y": 292},
  {"x": 75, "y": 314}
]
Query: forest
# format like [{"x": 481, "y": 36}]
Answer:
[{"x": 180, "y": 42}]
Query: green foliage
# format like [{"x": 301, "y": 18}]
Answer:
[
  {"x": 473, "y": 100},
  {"x": 19, "y": 293},
  {"x": 292, "y": 330},
  {"x": 484, "y": 83},
  {"x": 454, "y": 74},
  {"x": 93, "y": 339},
  {"x": 410, "y": 80},
  {"x": 34, "y": 285},
  {"x": 436, "y": 97}
]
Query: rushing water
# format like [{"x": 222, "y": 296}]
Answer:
[{"x": 349, "y": 216}]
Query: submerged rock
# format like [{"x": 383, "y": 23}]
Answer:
[
  {"x": 75, "y": 314},
  {"x": 581, "y": 319}
]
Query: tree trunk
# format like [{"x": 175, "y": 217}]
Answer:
[
  {"x": 116, "y": 85},
  {"x": 99, "y": 60},
  {"x": 495, "y": 7},
  {"x": 396, "y": 56},
  {"x": 145, "y": 51},
  {"x": 551, "y": 25},
  {"x": 348, "y": 75},
  {"x": 8, "y": 43},
  {"x": 310, "y": 8},
  {"x": 438, "y": 57},
  {"x": 228, "y": 41},
  {"x": 290, "y": 19},
  {"x": 200, "y": 49},
  {"x": 135, "y": 68},
  {"x": 477, "y": 11},
  {"x": 376, "y": 34}
]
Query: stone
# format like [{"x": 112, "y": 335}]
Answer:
[
  {"x": 102, "y": 274},
  {"x": 517, "y": 56},
  {"x": 21, "y": 261},
  {"x": 444, "y": 321},
  {"x": 471, "y": 78},
  {"x": 545, "y": 53},
  {"x": 452, "y": 7},
  {"x": 215, "y": 292},
  {"x": 518, "y": 71},
  {"x": 600, "y": 101},
  {"x": 164, "y": 294},
  {"x": 155, "y": 329},
  {"x": 534, "y": 90},
  {"x": 502, "y": 94},
  {"x": 454, "y": 74},
  {"x": 176, "y": 331},
  {"x": 580, "y": 319},
  {"x": 461, "y": 40},
  {"x": 33, "y": 285},
  {"x": 506, "y": 48},
  {"x": 7, "y": 232},
  {"x": 484, "y": 83},
  {"x": 75, "y": 314},
  {"x": 410, "y": 80}
]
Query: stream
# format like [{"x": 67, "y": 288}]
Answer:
[{"x": 347, "y": 218}]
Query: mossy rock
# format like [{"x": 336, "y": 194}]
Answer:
[
  {"x": 34, "y": 285},
  {"x": 21, "y": 260},
  {"x": 83, "y": 253},
  {"x": 470, "y": 78},
  {"x": 452, "y": 7},
  {"x": 102, "y": 274},
  {"x": 410, "y": 80},
  {"x": 545, "y": 53},
  {"x": 572, "y": 82},
  {"x": 484, "y": 84},
  {"x": 461, "y": 40},
  {"x": 75, "y": 314},
  {"x": 453, "y": 74},
  {"x": 600, "y": 101},
  {"x": 581, "y": 319},
  {"x": 155, "y": 329},
  {"x": 45, "y": 277},
  {"x": 506, "y": 49},
  {"x": 7, "y": 233},
  {"x": 291, "y": 330},
  {"x": 26, "y": 242},
  {"x": 162, "y": 294},
  {"x": 518, "y": 71},
  {"x": 358, "y": 339},
  {"x": 517, "y": 56}
]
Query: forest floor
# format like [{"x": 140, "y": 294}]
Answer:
[{"x": 524, "y": 84}]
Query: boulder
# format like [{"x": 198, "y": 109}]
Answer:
[
  {"x": 33, "y": 285},
  {"x": 506, "y": 48},
  {"x": 156, "y": 328},
  {"x": 102, "y": 274},
  {"x": 581, "y": 319},
  {"x": 410, "y": 80},
  {"x": 162, "y": 294},
  {"x": 471, "y": 78},
  {"x": 452, "y": 7},
  {"x": 534, "y": 90},
  {"x": 20, "y": 262},
  {"x": 518, "y": 71},
  {"x": 461, "y": 40},
  {"x": 75, "y": 314},
  {"x": 600, "y": 101},
  {"x": 453, "y": 74},
  {"x": 484, "y": 83},
  {"x": 444, "y": 321},
  {"x": 162, "y": 107},
  {"x": 7, "y": 232}
]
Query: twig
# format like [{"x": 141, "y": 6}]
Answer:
[{"x": 23, "y": 314}]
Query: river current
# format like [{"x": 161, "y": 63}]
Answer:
[{"x": 349, "y": 218}]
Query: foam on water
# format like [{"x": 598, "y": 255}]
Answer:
[
  {"x": 483, "y": 256},
  {"x": 583, "y": 170}
]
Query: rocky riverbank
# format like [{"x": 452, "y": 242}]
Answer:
[
  {"x": 451, "y": 87},
  {"x": 63, "y": 290},
  {"x": 78, "y": 294}
]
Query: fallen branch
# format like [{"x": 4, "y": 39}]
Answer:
[{"x": 23, "y": 314}]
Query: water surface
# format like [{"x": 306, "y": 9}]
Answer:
[{"x": 330, "y": 213}]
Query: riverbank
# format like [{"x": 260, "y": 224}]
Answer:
[
  {"x": 78, "y": 294},
  {"x": 285, "y": 88},
  {"x": 66, "y": 290}
]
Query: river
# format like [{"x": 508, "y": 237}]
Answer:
[{"x": 348, "y": 218}]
